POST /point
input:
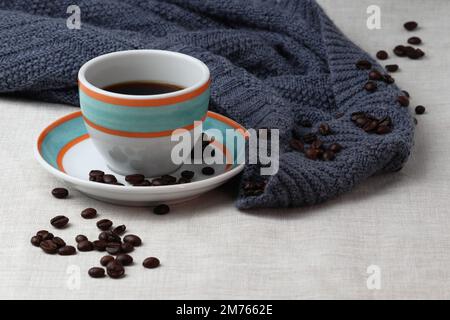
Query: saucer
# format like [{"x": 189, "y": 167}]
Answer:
[{"x": 65, "y": 150}]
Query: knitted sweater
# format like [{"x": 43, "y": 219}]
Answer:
[{"x": 273, "y": 64}]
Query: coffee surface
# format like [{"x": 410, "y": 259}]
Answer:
[{"x": 143, "y": 88}]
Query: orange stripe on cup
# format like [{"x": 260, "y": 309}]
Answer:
[
  {"x": 144, "y": 102},
  {"x": 67, "y": 147}
]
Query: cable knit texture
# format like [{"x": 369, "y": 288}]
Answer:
[{"x": 273, "y": 64}]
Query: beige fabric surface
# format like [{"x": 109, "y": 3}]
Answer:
[{"x": 210, "y": 250}]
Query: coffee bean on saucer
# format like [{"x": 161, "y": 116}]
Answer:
[
  {"x": 183, "y": 181},
  {"x": 109, "y": 236},
  {"x": 297, "y": 145},
  {"x": 105, "y": 260},
  {"x": 118, "y": 184},
  {"x": 126, "y": 247},
  {"x": 161, "y": 209},
  {"x": 115, "y": 269},
  {"x": 80, "y": 238},
  {"x": 45, "y": 235},
  {"x": 324, "y": 129},
  {"x": 187, "y": 174},
  {"x": 59, "y": 222},
  {"x": 144, "y": 183},
  {"x": 375, "y": 75},
  {"x": 415, "y": 40},
  {"x": 36, "y": 240},
  {"x": 113, "y": 248},
  {"x": 96, "y": 173},
  {"x": 104, "y": 224},
  {"x": 363, "y": 65},
  {"x": 135, "y": 178},
  {"x": 168, "y": 179},
  {"x": 67, "y": 251},
  {"x": 124, "y": 259},
  {"x": 400, "y": 51},
  {"x": 335, "y": 147},
  {"x": 328, "y": 155},
  {"x": 370, "y": 86},
  {"x": 96, "y": 272},
  {"x": 420, "y": 110},
  {"x": 382, "y": 55},
  {"x": 59, "y": 242},
  {"x": 411, "y": 25},
  {"x": 403, "y": 101},
  {"x": 99, "y": 245},
  {"x": 151, "y": 262},
  {"x": 208, "y": 171},
  {"x": 132, "y": 239},
  {"x": 48, "y": 246},
  {"x": 60, "y": 193},
  {"x": 89, "y": 213},
  {"x": 85, "y": 246},
  {"x": 119, "y": 229},
  {"x": 392, "y": 67},
  {"x": 109, "y": 179},
  {"x": 98, "y": 179}
]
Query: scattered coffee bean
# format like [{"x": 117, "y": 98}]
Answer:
[
  {"x": 403, "y": 101},
  {"x": 370, "y": 86},
  {"x": 183, "y": 180},
  {"x": 135, "y": 178},
  {"x": 158, "y": 182},
  {"x": 96, "y": 173},
  {"x": 187, "y": 174},
  {"x": 388, "y": 79},
  {"x": 324, "y": 129},
  {"x": 99, "y": 245},
  {"x": 109, "y": 179},
  {"x": 375, "y": 75},
  {"x": 45, "y": 235},
  {"x": 420, "y": 110},
  {"x": 109, "y": 236},
  {"x": 208, "y": 171},
  {"x": 335, "y": 147},
  {"x": 48, "y": 246},
  {"x": 115, "y": 269},
  {"x": 382, "y": 55},
  {"x": 59, "y": 222},
  {"x": 414, "y": 54},
  {"x": 168, "y": 179},
  {"x": 411, "y": 25},
  {"x": 317, "y": 144},
  {"x": 85, "y": 246},
  {"x": 415, "y": 40},
  {"x": 151, "y": 262},
  {"x": 400, "y": 51},
  {"x": 119, "y": 229},
  {"x": 406, "y": 93},
  {"x": 383, "y": 130},
  {"x": 60, "y": 193},
  {"x": 309, "y": 138},
  {"x": 67, "y": 251},
  {"x": 392, "y": 67},
  {"x": 363, "y": 65},
  {"x": 124, "y": 259},
  {"x": 328, "y": 155},
  {"x": 96, "y": 272},
  {"x": 113, "y": 248},
  {"x": 89, "y": 213},
  {"x": 80, "y": 238},
  {"x": 161, "y": 209},
  {"x": 98, "y": 179},
  {"x": 144, "y": 183},
  {"x": 104, "y": 224},
  {"x": 126, "y": 247},
  {"x": 371, "y": 124},
  {"x": 297, "y": 145},
  {"x": 36, "y": 240},
  {"x": 59, "y": 242},
  {"x": 132, "y": 239},
  {"x": 312, "y": 153},
  {"x": 105, "y": 260}
]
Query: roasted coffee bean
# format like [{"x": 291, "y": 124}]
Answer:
[
  {"x": 98, "y": 179},
  {"x": 297, "y": 145},
  {"x": 85, "y": 246},
  {"x": 388, "y": 79},
  {"x": 59, "y": 242},
  {"x": 400, "y": 51},
  {"x": 312, "y": 153},
  {"x": 392, "y": 67},
  {"x": 254, "y": 188},
  {"x": 382, "y": 55},
  {"x": 99, "y": 245},
  {"x": 370, "y": 86},
  {"x": 89, "y": 213},
  {"x": 386, "y": 121},
  {"x": 415, "y": 40},
  {"x": 104, "y": 224},
  {"x": 67, "y": 251},
  {"x": 328, "y": 155},
  {"x": 135, "y": 178},
  {"x": 158, "y": 182},
  {"x": 335, "y": 147},
  {"x": 403, "y": 101},
  {"x": 109, "y": 179},
  {"x": 48, "y": 246},
  {"x": 168, "y": 179},
  {"x": 124, "y": 259},
  {"x": 113, "y": 248},
  {"x": 80, "y": 238},
  {"x": 375, "y": 75},
  {"x": 105, "y": 260},
  {"x": 45, "y": 235},
  {"x": 151, "y": 262},
  {"x": 363, "y": 65},
  {"x": 360, "y": 122},
  {"x": 406, "y": 93},
  {"x": 126, "y": 247},
  {"x": 115, "y": 269},
  {"x": 144, "y": 183},
  {"x": 59, "y": 222},
  {"x": 132, "y": 239},
  {"x": 317, "y": 144},
  {"x": 208, "y": 171},
  {"x": 415, "y": 53},
  {"x": 96, "y": 272},
  {"x": 415, "y": 121},
  {"x": 309, "y": 138},
  {"x": 183, "y": 180},
  {"x": 356, "y": 115},
  {"x": 187, "y": 174},
  {"x": 370, "y": 126},
  {"x": 420, "y": 110},
  {"x": 161, "y": 209},
  {"x": 411, "y": 25},
  {"x": 60, "y": 193},
  {"x": 119, "y": 229},
  {"x": 324, "y": 129},
  {"x": 36, "y": 240},
  {"x": 96, "y": 173},
  {"x": 383, "y": 129},
  {"x": 109, "y": 236}
]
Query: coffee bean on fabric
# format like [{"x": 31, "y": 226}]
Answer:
[
  {"x": 363, "y": 65},
  {"x": 411, "y": 25},
  {"x": 119, "y": 229},
  {"x": 80, "y": 238},
  {"x": 392, "y": 67},
  {"x": 328, "y": 155},
  {"x": 382, "y": 55},
  {"x": 126, "y": 247},
  {"x": 161, "y": 209},
  {"x": 96, "y": 272},
  {"x": 59, "y": 242},
  {"x": 85, "y": 246},
  {"x": 151, "y": 262},
  {"x": 297, "y": 145},
  {"x": 187, "y": 174},
  {"x": 375, "y": 75},
  {"x": 335, "y": 147},
  {"x": 48, "y": 246},
  {"x": 388, "y": 79},
  {"x": 324, "y": 129},
  {"x": 67, "y": 251},
  {"x": 89, "y": 213},
  {"x": 104, "y": 224},
  {"x": 370, "y": 86},
  {"x": 115, "y": 270},
  {"x": 124, "y": 259},
  {"x": 59, "y": 222},
  {"x": 317, "y": 144},
  {"x": 105, "y": 260},
  {"x": 420, "y": 110},
  {"x": 403, "y": 101},
  {"x": 208, "y": 171},
  {"x": 312, "y": 153},
  {"x": 45, "y": 235},
  {"x": 309, "y": 138},
  {"x": 60, "y": 193},
  {"x": 99, "y": 245},
  {"x": 36, "y": 241},
  {"x": 415, "y": 40},
  {"x": 113, "y": 248},
  {"x": 109, "y": 179},
  {"x": 135, "y": 178},
  {"x": 254, "y": 188},
  {"x": 132, "y": 239},
  {"x": 383, "y": 129}
]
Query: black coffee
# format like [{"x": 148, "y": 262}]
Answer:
[{"x": 143, "y": 88}]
